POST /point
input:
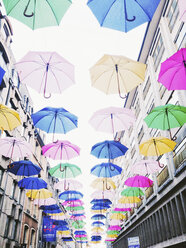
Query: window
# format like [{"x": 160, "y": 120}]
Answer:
[
  {"x": 140, "y": 134},
  {"x": 13, "y": 210},
  {"x": 25, "y": 235},
  {"x": 19, "y": 198},
  {"x": 7, "y": 34},
  {"x": 13, "y": 189},
  {"x": 162, "y": 90},
  {"x": 137, "y": 108},
  {"x": 151, "y": 107},
  {"x": 32, "y": 239},
  {"x": 14, "y": 229},
  {"x": 1, "y": 175},
  {"x": 172, "y": 14},
  {"x": 180, "y": 39},
  {"x": 146, "y": 88},
  {"x": 158, "y": 52},
  {"x": 7, "y": 226},
  {"x": 133, "y": 151}
]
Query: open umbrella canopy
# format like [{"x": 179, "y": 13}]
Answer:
[
  {"x": 70, "y": 194},
  {"x": 139, "y": 181},
  {"x": 101, "y": 201},
  {"x": 51, "y": 207},
  {"x": 54, "y": 120},
  {"x": 112, "y": 119},
  {"x": 24, "y": 168},
  {"x": 113, "y": 232},
  {"x": 45, "y": 202},
  {"x": 69, "y": 184},
  {"x": 46, "y": 72},
  {"x": 100, "y": 206},
  {"x": 166, "y": 117},
  {"x": 129, "y": 200},
  {"x": 114, "y": 228},
  {"x": 97, "y": 229},
  {"x": 61, "y": 150},
  {"x": 73, "y": 203},
  {"x": 55, "y": 211},
  {"x": 103, "y": 195},
  {"x": 173, "y": 71},
  {"x": 58, "y": 217},
  {"x": 65, "y": 170},
  {"x": 132, "y": 191},
  {"x": 108, "y": 149},
  {"x": 97, "y": 223},
  {"x": 106, "y": 170},
  {"x": 77, "y": 218},
  {"x": 117, "y": 216},
  {"x": 123, "y": 15},
  {"x": 78, "y": 224},
  {"x": 39, "y": 194},
  {"x": 32, "y": 183},
  {"x": 99, "y": 211},
  {"x": 15, "y": 148},
  {"x": 98, "y": 217},
  {"x": 74, "y": 208},
  {"x": 115, "y": 74},
  {"x": 9, "y": 118},
  {"x": 37, "y": 14},
  {"x": 156, "y": 146},
  {"x": 103, "y": 184},
  {"x": 144, "y": 167}
]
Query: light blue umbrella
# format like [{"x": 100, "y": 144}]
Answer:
[{"x": 106, "y": 170}]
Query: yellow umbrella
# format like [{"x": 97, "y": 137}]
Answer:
[
  {"x": 95, "y": 242},
  {"x": 117, "y": 216},
  {"x": 112, "y": 235},
  {"x": 39, "y": 194},
  {"x": 103, "y": 184},
  {"x": 157, "y": 146},
  {"x": 99, "y": 211},
  {"x": 97, "y": 229},
  {"x": 129, "y": 199},
  {"x": 9, "y": 118},
  {"x": 57, "y": 214},
  {"x": 63, "y": 232},
  {"x": 117, "y": 74}
]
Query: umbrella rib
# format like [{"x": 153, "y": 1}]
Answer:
[
  {"x": 61, "y": 71},
  {"x": 31, "y": 73},
  {"x": 34, "y": 18},
  {"x": 53, "y": 12},
  {"x": 176, "y": 118},
  {"x": 107, "y": 12},
  {"x": 55, "y": 79},
  {"x": 50, "y": 123},
  {"x": 101, "y": 75},
  {"x": 175, "y": 75},
  {"x": 13, "y": 7},
  {"x": 110, "y": 80},
  {"x": 63, "y": 126}
]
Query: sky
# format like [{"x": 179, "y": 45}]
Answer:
[{"x": 81, "y": 41}]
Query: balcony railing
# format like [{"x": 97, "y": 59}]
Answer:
[
  {"x": 148, "y": 192},
  {"x": 180, "y": 157},
  {"x": 163, "y": 176}
]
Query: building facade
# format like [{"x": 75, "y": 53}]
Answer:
[{"x": 159, "y": 220}]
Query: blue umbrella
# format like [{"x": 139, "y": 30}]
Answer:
[
  {"x": 108, "y": 149},
  {"x": 80, "y": 232},
  {"x": 76, "y": 214},
  {"x": 32, "y": 183},
  {"x": 98, "y": 217},
  {"x": 55, "y": 211},
  {"x": 106, "y": 170},
  {"x": 60, "y": 222},
  {"x": 62, "y": 228},
  {"x": 50, "y": 207},
  {"x": 54, "y": 120},
  {"x": 123, "y": 15},
  {"x": 24, "y": 168},
  {"x": 101, "y": 201},
  {"x": 97, "y": 223},
  {"x": 96, "y": 238},
  {"x": 100, "y": 207},
  {"x": 70, "y": 194},
  {"x": 67, "y": 239}
]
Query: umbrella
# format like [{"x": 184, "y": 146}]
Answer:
[
  {"x": 115, "y": 222},
  {"x": 132, "y": 191},
  {"x": 97, "y": 223},
  {"x": 51, "y": 207},
  {"x": 56, "y": 211},
  {"x": 114, "y": 74},
  {"x": 114, "y": 228},
  {"x": 46, "y": 202},
  {"x": 37, "y": 14},
  {"x": 74, "y": 203},
  {"x": 80, "y": 232},
  {"x": 144, "y": 167},
  {"x": 75, "y": 208},
  {"x": 101, "y": 201},
  {"x": 24, "y": 168},
  {"x": 67, "y": 239},
  {"x": 100, "y": 207},
  {"x": 166, "y": 117},
  {"x": 139, "y": 181},
  {"x": 110, "y": 240},
  {"x": 62, "y": 228},
  {"x": 99, "y": 211},
  {"x": 72, "y": 184},
  {"x": 103, "y": 184},
  {"x": 108, "y": 149},
  {"x": 78, "y": 224},
  {"x": 70, "y": 194},
  {"x": 60, "y": 217},
  {"x": 173, "y": 71},
  {"x": 63, "y": 232},
  {"x": 112, "y": 232},
  {"x": 9, "y": 118},
  {"x": 97, "y": 229},
  {"x": 98, "y": 217},
  {"x": 106, "y": 170},
  {"x": 15, "y": 148},
  {"x": 182, "y": 10},
  {"x": 156, "y": 146},
  {"x": 112, "y": 120},
  {"x": 112, "y": 235},
  {"x": 46, "y": 72},
  {"x": 117, "y": 216},
  {"x": 125, "y": 206},
  {"x": 103, "y": 195},
  {"x": 54, "y": 120},
  {"x": 129, "y": 200},
  {"x": 77, "y": 218},
  {"x": 32, "y": 183},
  {"x": 61, "y": 150},
  {"x": 123, "y": 15},
  {"x": 39, "y": 194}
]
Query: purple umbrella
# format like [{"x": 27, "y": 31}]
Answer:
[
  {"x": 139, "y": 181},
  {"x": 46, "y": 72},
  {"x": 73, "y": 203},
  {"x": 103, "y": 194},
  {"x": 122, "y": 209},
  {"x": 61, "y": 150},
  {"x": 114, "y": 228},
  {"x": 173, "y": 71},
  {"x": 145, "y": 167}
]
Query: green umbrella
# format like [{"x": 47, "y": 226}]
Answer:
[
  {"x": 37, "y": 13},
  {"x": 166, "y": 117},
  {"x": 118, "y": 212},
  {"x": 65, "y": 170},
  {"x": 132, "y": 191},
  {"x": 78, "y": 224},
  {"x": 112, "y": 232},
  {"x": 75, "y": 208}
]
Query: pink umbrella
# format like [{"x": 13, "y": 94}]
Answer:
[
  {"x": 122, "y": 209},
  {"x": 103, "y": 194},
  {"x": 125, "y": 205},
  {"x": 46, "y": 72},
  {"x": 15, "y": 148},
  {"x": 182, "y": 10},
  {"x": 61, "y": 150},
  {"x": 173, "y": 71},
  {"x": 58, "y": 217},
  {"x": 145, "y": 167},
  {"x": 112, "y": 119},
  {"x": 114, "y": 228},
  {"x": 82, "y": 217},
  {"x": 45, "y": 202},
  {"x": 139, "y": 181},
  {"x": 110, "y": 240},
  {"x": 77, "y": 212},
  {"x": 74, "y": 203},
  {"x": 80, "y": 235},
  {"x": 72, "y": 184}
]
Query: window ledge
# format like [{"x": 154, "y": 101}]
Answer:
[
  {"x": 180, "y": 169},
  {"x": 164, "y": 185},
  {"x": 151, "y": 198}
]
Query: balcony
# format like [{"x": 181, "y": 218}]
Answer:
[
  {"x": 148, "y": 192},
  {"x": 162, "y": 176},
  {"x": 180, "y": 156}
]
